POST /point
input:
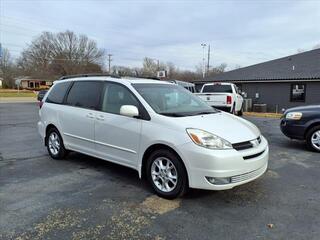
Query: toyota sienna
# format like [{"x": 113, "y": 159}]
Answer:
[{"x": 170, "y": 136}]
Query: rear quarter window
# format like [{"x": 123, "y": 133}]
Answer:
[
  {"x": 85, "y": 94},
  {"x": 57, "y": 93}
]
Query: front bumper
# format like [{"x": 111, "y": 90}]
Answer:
[
  {"x": 206, "y": 163},
  {"x": 292, "y": 129}
]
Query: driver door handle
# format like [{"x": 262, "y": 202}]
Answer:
[{"x": 90, "y": 115}]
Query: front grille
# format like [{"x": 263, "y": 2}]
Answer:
[
  {"x": 245, "y": 145},
  {"x": 246, "y": 176}
]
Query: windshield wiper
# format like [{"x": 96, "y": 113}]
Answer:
[
  {"x": 173, "y": 114},
  {"x": 205, "y": 112}
]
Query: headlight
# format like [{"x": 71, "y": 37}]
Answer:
[
  {"x": 207, "y": 140},
  {"x": 294, "y": 115}
]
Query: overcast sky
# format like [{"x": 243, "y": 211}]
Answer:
[{"x": 239, "y": 32}]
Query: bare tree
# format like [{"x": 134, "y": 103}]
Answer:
[
  {"x": 124, "y": 71},
  {"x": 7, "y": 69},
  {"x": 62, "y": 53},
  {"x": 237, "y": 66},
  {"x": 149, "y": 67}
]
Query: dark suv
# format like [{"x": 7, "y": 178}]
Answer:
[{"x": 303, "y": 123}]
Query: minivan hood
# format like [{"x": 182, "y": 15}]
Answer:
[{"x": 229, "y": 127}]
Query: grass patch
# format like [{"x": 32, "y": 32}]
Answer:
[
  {"x": 263, "y": 115},
  {"x": 16, "y": 94}
]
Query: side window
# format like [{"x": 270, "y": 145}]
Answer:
[
  {"x": 57, "y": 93},
  {"x": 115, "y": 96},
  {"x": 85, "y": 94}
]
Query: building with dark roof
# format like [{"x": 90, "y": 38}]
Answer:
[{"x": 281, "y": 83}]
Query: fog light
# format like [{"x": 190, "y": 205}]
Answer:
[{"x": 219, "y": 181}]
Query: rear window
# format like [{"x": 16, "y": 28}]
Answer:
[
  {"x": 57, "y": 93},
  {"x": 217, "y": 88},
  {"x": 85, "y": 94}
]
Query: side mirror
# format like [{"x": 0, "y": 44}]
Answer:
[
  {"x": 40, "y": 98},
  {"x": 129, "y": 111}
]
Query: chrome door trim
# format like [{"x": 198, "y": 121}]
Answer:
[
  {"x": 101, "y": 143},
  {"x": 82, "y": 138},
  {"x": 116, "y": 147}
]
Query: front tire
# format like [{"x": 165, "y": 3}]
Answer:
[
  {"x": 166, "y": 174},
  {"x": 55, "y": 145},
  {"x": 313, "y": 138}
]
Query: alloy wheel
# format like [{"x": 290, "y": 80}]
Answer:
[
  {"x": 315, "y": 140},
  {"x": 54, "y": 143},
  {"x": 164, "y": 174}
]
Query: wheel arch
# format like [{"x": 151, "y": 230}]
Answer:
[
  {"x": 48, "y": 127},
  {"x": 311, "y": 125},
  {"x": 153, "y": 148}
]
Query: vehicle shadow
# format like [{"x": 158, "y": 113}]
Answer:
[
  {"x": 240, "y": 195},
  {"x": 291, "y": 144},
  {"x": 114, "y": 172},
  {"x": 126, "y": 176}
]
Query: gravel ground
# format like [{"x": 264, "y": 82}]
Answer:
[{"x": 87, "y": 198}]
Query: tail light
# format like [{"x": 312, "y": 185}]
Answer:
[
  {"x": 229, "y": 99},
  {"x": 40, "y": 103}
]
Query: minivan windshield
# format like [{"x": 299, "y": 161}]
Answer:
[{"x": 172, "y": 100}]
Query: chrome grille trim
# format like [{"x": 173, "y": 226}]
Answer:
[{"x": 246, "y": 176}]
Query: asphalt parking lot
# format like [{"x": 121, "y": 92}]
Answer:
[{"x": 87, "y": 198}]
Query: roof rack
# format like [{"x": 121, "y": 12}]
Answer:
[
  {"x": 153, "y": 78},
  {"x": 88, "y": 75}
]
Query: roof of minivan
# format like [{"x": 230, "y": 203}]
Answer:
[{"x": 124, "y": 80}]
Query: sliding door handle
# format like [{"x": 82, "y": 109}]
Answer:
[{"x": 100, "y": 117}]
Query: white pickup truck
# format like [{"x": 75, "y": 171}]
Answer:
[{"x": 223, "y": 96}]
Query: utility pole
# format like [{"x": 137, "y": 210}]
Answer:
[
  {"x": 109, "y": 61},
  {"x": 203, "y": 45},
  {"x": 208, "y": 64}
]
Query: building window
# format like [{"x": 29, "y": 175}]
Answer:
[{"x": 298, "y": 92}]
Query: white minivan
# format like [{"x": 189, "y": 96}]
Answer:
[{"x": 170, "y": 136}]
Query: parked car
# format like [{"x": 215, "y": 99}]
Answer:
[
  {"x": 303, "y": 123},
  {"x": 224, "y": 96},
  {"x": 41, "y": 94},
  {"x": 166, "y": 133},
  {"x": 187, "y": 85}
]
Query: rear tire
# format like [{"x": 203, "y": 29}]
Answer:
[
  {"x": 55, "y": 145},
  {"x": 313, "y": 139},
  {"x": 240, "y": 113},
  {"x": 234, "y": 110},
  {"x": 166, "y": 174}
]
